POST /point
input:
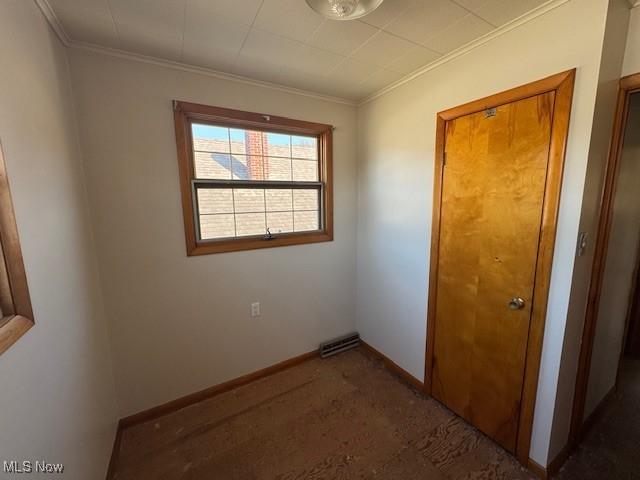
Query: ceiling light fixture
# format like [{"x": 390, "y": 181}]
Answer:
[{"x": 344, "y": 9}]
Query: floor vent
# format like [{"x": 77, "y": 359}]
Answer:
[{"x": 339, "y": 344}]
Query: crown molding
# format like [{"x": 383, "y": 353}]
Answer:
[
  {"x": 51, "y": 17},
  {"x": 113, "y": 52},
  {"x": 507, "y": 27},
  {"x": 56, "y": 25}
]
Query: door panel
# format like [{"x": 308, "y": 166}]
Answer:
[{"x": 491, "y": 210}]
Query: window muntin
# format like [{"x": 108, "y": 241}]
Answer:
[
  {"x": 224, "y": 155},
  {"x": 251, "y": 180}
]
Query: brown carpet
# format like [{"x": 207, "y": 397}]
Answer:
[
  {"x": 345, "y": 418},
  {"x": 611, "y": 448}
]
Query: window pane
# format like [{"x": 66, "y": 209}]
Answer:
[
  {"x": 279, "y": 200},
  {"x": 278, "y": 145},
  {"x": 305, "y": 170},
  {"x": 305, "y": 200},
  {"x": 247, "y": 167},
  {"x": 237, "y": 139},
  {"x": 305, "y": 221},
  {"x": 226, "y": 212},
  {"x": 216, "y": 226},
  {"x": 213, "y": 165},
  {"x": 304, "y": 147},
  {"x": 278, "y": 168},
  {"x": 280, "y": 222},
  {"x": 250, "y": 224},
  {"x": 208, "y": 138},
  {"x": 249, "y": 200},
  {"x": 245, "y": 141},
  {"x": 215, "y": 200}
]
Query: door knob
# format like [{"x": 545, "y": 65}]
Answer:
[{"x": 516, "y": 303}]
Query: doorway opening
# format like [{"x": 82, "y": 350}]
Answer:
[{"x": 606, "y": 412}]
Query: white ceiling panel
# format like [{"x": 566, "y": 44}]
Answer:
[
  {"x": 314, "y": 61},
  {"x": 258, "y": 69},
  {"x": 458, "y": 34},
  {"x": 382, "y": 49},
  {"x": 341, "y": 37},
  {"x": 209, "y": 57},
  {"x": 269, "y": 48},
  {"x": 288, "y": 18},
  {"x": 150, "y": 27},
  {"x": 388, "y": 11},
  {"x": 216, "y": 47},
  {"x": 499, "y": 12},
  {"x": 425, "y": 19},
  {"x": 284, "y": 41},
  {"x": 351, "y": 72},
  {"x": 303, "y": 80},
  {"x": 413, "y": 59},
  {"x": 242, "y": 12},
  {"x": 202, "y": 32},
  {"x": 379, "y": 79},
  {"x": 89, "y": 21}
]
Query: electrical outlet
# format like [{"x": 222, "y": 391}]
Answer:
[{"x": 255, "y": 309}]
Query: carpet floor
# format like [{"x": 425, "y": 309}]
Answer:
[
  {"x": 345, "y": 417},
  {"x": 611, "y": 448}
]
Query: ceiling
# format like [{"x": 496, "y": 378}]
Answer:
[{"x": 285, "y": 42}]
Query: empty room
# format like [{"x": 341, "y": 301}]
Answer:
[{"x": 320, "y": 239}]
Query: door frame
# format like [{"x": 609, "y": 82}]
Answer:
[
  {"x": 562, "y": 85},
  {"x": 628, "y": 85}
]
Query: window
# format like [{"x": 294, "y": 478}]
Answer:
[
  {"x": 16, "y": 316},
  {"x": 250, "y": 180}
]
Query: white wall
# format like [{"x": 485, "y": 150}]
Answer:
[
  {"x": 396, "y": 150},
  {"x": 180, "y": 324},
  {"x": 58, "y": 400},
  {"x": 632, "y": 53},
  {"x": 622, "y": 258}
]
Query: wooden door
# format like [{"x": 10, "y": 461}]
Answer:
[{"x": 493, "y": 188}]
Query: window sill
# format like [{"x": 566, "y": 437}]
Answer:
[
  {"x": 11, "y": 329},
  {"x": 252, "y": 243}
]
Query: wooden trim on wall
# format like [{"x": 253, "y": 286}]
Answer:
[
  {"x": 557, "y": 151},
  {"x": 628, "y": 85},
  {"x": 185, "y": 113},
  {"x": 441, "y": 135},
  {"x": 16, "y": 303},
  {"x": 193, "y": 398},
  {"x": 187, "y": 400},
  {"x": 554, "y": 466},
  {"x": 11, "y": 329},
  {"x": 562, "y": 85},
  {"x": 392, "y": 366},
  {"x": 537, "y": 469}
]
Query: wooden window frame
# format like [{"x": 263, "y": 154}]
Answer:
[
  {"x": 186, "y": 113},
  {"x": 562, "y": 84},
  {"x": 14, "y": 293}
]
